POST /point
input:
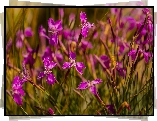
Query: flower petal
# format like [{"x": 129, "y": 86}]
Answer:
[
  {"x": 19, "y": 43},
  {"x": 121, "y": 71},
  {"x": 106, "y": 60},
  {"x": 52, "y": 65},
  {"x": 71, "y": 17},
  {"x": 96, "y": 81},
  {"x": 146, "y": 56},
  {"x": 42, "y": 31},
  {"x": 51, "y": 79},
  {"x": 85, "y": 44},
  {"x": 21, "y": 92},
  {"x": 41, "y": 75},
  {"x": 66, "y": 65},
  {"x": 83, "y": 85},
  {"x": 58, "y": 25},
  {"x": 59, "y": 56},
  {"x": 84, "y": 31},
  {"x": 114, "y": 10},
  {"x": 79, "y": 67},
  {"x": 17, "y": 98},
  {"x": 47, "y": 53},
  {"x": 50, "y": 111},
  {"x": 72, "y": 56},
  {"x": 53, "y": 39},
  {"x": 48, "y": 63},
  {"x": 83, "y": 17},
  {"x": 51, "y": 23},
  {"x": 17, "y": 83},
  {"x": 93, "y": 90},
  {"x": 132, "y": 53},
  {"x": 28, "y": 32}
]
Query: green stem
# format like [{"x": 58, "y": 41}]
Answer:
[{"x": 24, "y": 111}]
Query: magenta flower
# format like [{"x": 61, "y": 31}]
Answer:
[
  {"x": 17, "y": 90},
  {"x": 84, "y": 24},
  {"x": 79, "y": 66},
  {"x": 54, "y": 29},
  {"x": 91, "y": 85},
  {"x": 20, "y": 36},
  {"x": 48, "y": 64}
]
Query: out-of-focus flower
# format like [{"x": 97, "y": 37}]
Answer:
[
  {"x": 28, "y": 32},
  {"x": 114, "y": 10},
  {"x": 28, "y": 57},
  {"x": 122, "y": 46},
  {"x": 71, "y": 35},
  {"x": 47, "y": 53},
  {"x": 17, "y": 90},
  {"x": 146, "y": 55},
  {"x": 84, "y": 24},
  {"x": 51, "y": 112},
  {"x": 131, "y": 22},
  {"x": 42, "y": 31},
  {"x": 90, "y": 84},
  {"x": 146, "y": 10},
  {"x": 85, "y": 44},
  {"x": 54, "y": 28},
  {"x": 61, "y": 12},
  {"x": 79, "y": 66},
  {"x": 48, "y": 64},
  {"x": 20, "y": 36},
  {"x": 111, "y": 108},
  {"x": 107, "y": 61},
  {"x": 71, "y": 17},
  {"x": 58, "y": 55}
]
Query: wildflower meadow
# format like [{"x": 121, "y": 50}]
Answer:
[{"x": 79, "y": 61}]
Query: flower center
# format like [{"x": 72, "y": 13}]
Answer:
[
  {"x": 46, "y": 72},
  {"x": 72, "y": 62}
]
